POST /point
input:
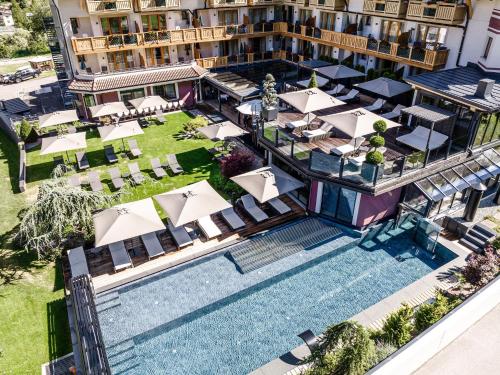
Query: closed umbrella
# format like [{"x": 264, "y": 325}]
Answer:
[
  {"x": 148, "y": 102},
  {"x": 63, "y": 143},
  {"x": 267, "y": 183},
  {"x": 57, "y": 118},
  {"x": 222, "y": 131},
  {"x": 191, "y": 203},
  {"x": 122, "y": 130},
  {"x": 126, "y": 221},
  {"x": 107, "y": 109}
]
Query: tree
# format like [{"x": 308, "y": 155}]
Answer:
[
  {"x": 18, "y": 14},
  {"x": 344, "y": 349},
  {"x": 481, "y": 268},
  {"x": 59, "y": 212},
  {"x": 240, "y": 160},
  {"x": 270, "y": 96},
  {"x": 398, "y": 328},
  {"x": 25, "y": 129},
  {"x": 313, "y": 82}
]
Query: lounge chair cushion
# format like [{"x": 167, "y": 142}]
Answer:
[
  {"x": 152, "y": 245},
  {"x": 232, "y": 218},
  {"x": 78, "y": 262},
  {"x": 280, "y": 206},
  {"x": 248, "y": 203},
  {"x": 120, "y": 256},
  {"x": 180, "y": 235},
  {"x": 208, "y": 227}
]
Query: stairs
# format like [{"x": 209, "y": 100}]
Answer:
[
  {"x": 258, "y": 252},
  {"x": 477, "y": 237},
  {"x": 107, "y": 301},
  {"x": 122, "y": 358}
]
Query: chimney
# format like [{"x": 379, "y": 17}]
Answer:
[{"x": 484, "y": 88}]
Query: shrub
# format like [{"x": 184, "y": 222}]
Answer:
[
  {"x": 370, "y": 74},
  {"x": 313, "y": 82},
  {"x": 429, "y": 313},
  {"x": 481, "y": 268},
  {"x": 377, "y": 141},
  {"x": 270, "y": 96},
  {"x": 374, "y": 157},
  {"x": 382, "y": 351},
  {"x": 398, "y": 328},
  {"x": 240, "y": 160},
  {"x": 195, "y": 123},
  {"x": 221, "y": 183},
  {"x": 25, "y": 129},
  {"x": 380, "y": 126}
]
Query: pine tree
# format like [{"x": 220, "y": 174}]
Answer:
[{"x": 313, "y": 82}]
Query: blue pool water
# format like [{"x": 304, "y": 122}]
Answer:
[{"x": 207, "y": 318}]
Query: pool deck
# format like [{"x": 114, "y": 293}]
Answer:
[{"x": 373, "y": 317}]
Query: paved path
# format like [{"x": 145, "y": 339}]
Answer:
[
  {"x": 20, "y": 90},
  {"x": 475, "y": 352}
]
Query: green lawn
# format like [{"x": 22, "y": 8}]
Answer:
[{"x": 32, "y": 309}]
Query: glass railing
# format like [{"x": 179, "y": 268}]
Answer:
[{"x": 325, "y": 163}]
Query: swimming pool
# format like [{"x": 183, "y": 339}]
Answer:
[{"x": 207, "y": 318}]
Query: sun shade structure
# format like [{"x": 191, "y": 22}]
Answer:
[
  {"x": 148, "y": 102},
  {"x": 107, "y": 109},
  {"x": 191, "y": 202},
  {"x": 267, "y": 183},
  {"x": 63, "y": 143},
  {"x": 57, "y": 118},
  {"x": 250, "y": 108},
  {"x": 384, "y": 87},
  {"x": 320, "y": 80},
  {"x": 122, "y": 130},
  {"x": 429, "y": 113},
  {"x": 338, "y": 72},
  {"x": 312, "y": 64},
  {"x": 233, "y": 85},
  {"x": 126, "y": 221},
  {"x": 310, "y": 100},
  {"x": 357, "y": 122},
  {"x": 222, "y": 131}
]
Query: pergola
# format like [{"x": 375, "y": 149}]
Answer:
[{"x": 233, "y": 85}]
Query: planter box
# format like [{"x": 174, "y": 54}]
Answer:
[{"x": 270, "y": 114}]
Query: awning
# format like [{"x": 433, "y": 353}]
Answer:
[
  {"x": 222, "y": 131},
  {"x": 384, "y": 87},
  {"x": 233, "y": 85},
  {"x": 339, "y": 72},
  {"x": 461, "y": 177},
  {"x": 148, "y": 102},
  {"x": 63, "y": 143},
  {"x": 58, "y": 118},
  {"x": 310, "y": 100},
  {"x": 107, "y": 109},
  {"x": 110, "y": 133}
]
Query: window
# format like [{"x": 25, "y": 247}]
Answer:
[
  {"x": 89, "y": 100},
  {"x": 165, "y": 91},
  {"x": 430, "y": 35},
  {"x": 153, "y": 22},
  {"x": 488, "y": 129},
  {"x": 127, "y": 95},
  {"x": 338, "y": 202},
  {"x": 74, "y": 25},
  {"x": 327, "y": 21},
  {"x": 120, "y": 60},
  {"x": 304, "y": 16},
  {"x": 390, "y": 31},
  {"x": 114, "y": 25},
  {"x": 257, "y": 15},
  {"x": 157, "y": 56},
  {"x": 488, "y": 46},
  {"x": 228, "y": 17}
]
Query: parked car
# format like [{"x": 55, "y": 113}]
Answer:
[{"x": 21, "y": 74}]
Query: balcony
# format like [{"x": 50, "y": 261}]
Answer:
[
  {"x": 244, "y": 58},
  {"x": 226, "y": 3},
  {"x": 148, "y": 5},
  {"x": 328, "y": 4},
  {"x": 114, "y": 6},
  {"x": 440, "y": 12},
  {"x": 387, "y": 8},
  {"x": 297, "y": 2},
  {"x": 264, "y": 2}
]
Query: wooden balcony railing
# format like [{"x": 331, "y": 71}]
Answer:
[
  {"x": 298, "y": 2},
  {"x": 328, "y": 4},
  {"x": 388, "y": 8},
  {"x": 440, "y": 12},
  {"x": 226, "y": 3},
  {"x": 146, "y": 5},
  {"x": 244, "y": 58},
  {"x": 264, "y": 2},
  {"x": 108, "y": 6}
]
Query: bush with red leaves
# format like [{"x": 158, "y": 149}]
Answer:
[
  {"x": 481, "y": 268},
  {"x": 240, "y": 160}
]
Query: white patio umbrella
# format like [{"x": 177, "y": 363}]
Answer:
[
  {"x": 356, "y": 122},
  {"x": 320, "y": 80},
  {"x": 339, "y": 72},
  {"x": 57, "y": 118},
  {"x": 191, "y": 202},
  {"x": 127, "y": 129},
  {"x": 222, "y": 131},
  {"x": 385, "y": 87},
  {"x": 63, "y": 143},
  {"x": 148, "y": 102},
  {"x": 107, "y": 109},
  {"x": 126, "y": 221},
  {"x": 251, "y": 107},
  {"x": 267, "y": 183}
]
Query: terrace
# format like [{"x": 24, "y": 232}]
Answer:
[
  {"x": 106, "y": 7},
  {"x": 389, "y": 8},
  {"x": 450, "y": 13}
]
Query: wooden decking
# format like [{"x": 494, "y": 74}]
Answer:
[{"x": 100, "y": 263}]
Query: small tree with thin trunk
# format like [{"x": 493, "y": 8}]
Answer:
[
  {"x": 313, "y": 82},
  {"x": 270, "y": 96}
]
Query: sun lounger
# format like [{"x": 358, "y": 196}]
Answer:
[
  {"x": 208, "y": 227},
  {"x": 418, "y": 138},
  {"x": 336, "y": 90},
  {"x": 116, "y": 178},
  {"x": 134, "y": 149},
  {"x": 78, "y": 262},
  {"x": 74, "y": 181},
  {"x": 95, "y": 181},
  {"x": 376, "y": 106},
  {"x": 348, "y": 148},
  {"x": 302, "y": 123},
  {"x": 248, "y": 203},
  {"x": 317, "y": 134},
  {"x": 81, "y": 160},
  {"x": 395, "y": 113},
  {"x": 232, "y": 219},
  {"x": 351, "y": 95},
  {"x": 279, "y": 206},
  {"x": 160, "y": 116},
  {"x": 180, "y": 235},
  {"x": 109, "y": 151},
  {"x": 152, "y": 245},
  {"x": 120, "y": 256},
  {"x": 136, "y": 173},
  {"x": 157, "y": 168},
  {"x": 173, "y": 164}
]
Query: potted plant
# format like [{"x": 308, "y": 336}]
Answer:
[
  {"x": 269, "y": 98},
  {"x": 375, "y": 157}
]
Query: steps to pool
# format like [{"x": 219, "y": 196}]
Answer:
[{"x": 261, "y": 251}]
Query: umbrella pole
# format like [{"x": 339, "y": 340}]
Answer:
[{"x": 123, "y": 145}]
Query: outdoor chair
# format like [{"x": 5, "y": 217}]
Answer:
[
  {"x": 74, "y": 181},
  {"x": 120, "y": 256},
  {"x": 376, "y": 106},
  {"x": 78, "y": 262},
  {"x": 348, "y": 148},
  {"x": 279, "y": 206},
  {"x": 418, "y": 138},
  {"x": 336, "y": 90},
  {"x": 109, "y": 151},
  {"x": 318, "y": 134},
  {"x": 136, "y": 173},
  {"x": 95, "y": 181},
  {"x": 134, "y": 149},
  {"x": 300, "y": 124},
  {"x": 116, "y": 178},
  {"x": 248, "y": 204},
  {"x": 395, "y": 113},
  {"x": 157, "y": 168},
  {"x": 81, "y": 160},
  {"x": 180, "y": 235},
  {"x": 208, "y": 227},
  {"x": 350, "y": 96},
  {"x": 232, "y": 219},
  {"x": 173, "y": 164},
  {"x": 152, "y": 245}
]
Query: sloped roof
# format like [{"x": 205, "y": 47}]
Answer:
[
  {"x": 142, "y": 77},
  {"x": 428, "y": 112},
  {"x": 460, "y": 84}
]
